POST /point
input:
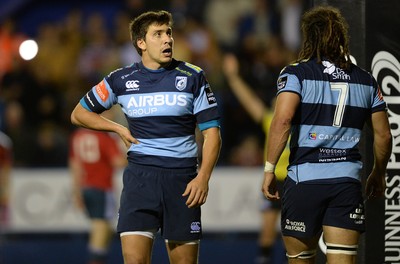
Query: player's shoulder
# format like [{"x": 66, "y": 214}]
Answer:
[
  {"x": 124, "y": 72},
  {"x": 360, "y": 71},
  {"x": 297, "y": 66},
  {"x": 187, "y": 68}
]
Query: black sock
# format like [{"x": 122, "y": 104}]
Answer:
[{"x": 264, "y": 255}]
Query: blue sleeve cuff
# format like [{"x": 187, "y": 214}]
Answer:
[{"x": 209, "y": 124}]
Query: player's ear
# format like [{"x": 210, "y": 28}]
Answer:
[{"x": 141, "y": 44}]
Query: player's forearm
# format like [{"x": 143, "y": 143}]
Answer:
[
  {"x": 84, "y": 118},
  {"x": 210, "y": 152},
  {"x": 277, "y": 139},
  {"x": 382, "y": 141},
  {"x": 382, "y": 151}
]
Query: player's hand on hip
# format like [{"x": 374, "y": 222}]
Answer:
[{"x": 127, "y": 137}]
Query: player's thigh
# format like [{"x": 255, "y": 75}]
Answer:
[
  {"x": 295, "y": 246},
  {"x": 338, "y": 235},
  {"x": 180, "y": 223},
  {"x": 341, "y": 245},
  {"x": 346, "y": 207},
  {"x": 136, "y": 249},
  {"x": 183, "y": 252},
  {"x": 140, "y": 200}
]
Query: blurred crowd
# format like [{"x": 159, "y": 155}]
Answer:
[{"x": 80, "y": 48}]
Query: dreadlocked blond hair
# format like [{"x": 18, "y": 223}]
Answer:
[{"x": 325, "y": 35}]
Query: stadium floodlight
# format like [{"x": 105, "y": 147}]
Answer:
[{"x": 28, "y": 49}]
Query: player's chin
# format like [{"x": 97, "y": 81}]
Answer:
[{"x": 166, "y": 59}]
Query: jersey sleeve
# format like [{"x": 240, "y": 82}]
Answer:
[
  {"x": 100, "y": 98},
  {"x": 205, "y": 106},
  {"x": 288, "y": 81},
  {"x": 378, "y": 103}
]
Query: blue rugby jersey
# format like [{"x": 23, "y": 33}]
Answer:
[
  {"x": 326, "y": 129},
  {"x": 162, "y": 108}
]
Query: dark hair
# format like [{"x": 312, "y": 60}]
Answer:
[
  {"x": 325, "y": 36},
  {"x": 139, "y": 26}
]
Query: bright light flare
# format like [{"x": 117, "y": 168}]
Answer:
[{"x": 28, "y": 49}]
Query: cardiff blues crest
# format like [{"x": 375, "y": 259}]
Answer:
[{"x": 180, "y": 82}]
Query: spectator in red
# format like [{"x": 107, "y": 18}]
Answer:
[
  {"x": 9, "y": 46},
  {"x": 93, "y": 158},
  {"x": 5, "y": 171}
]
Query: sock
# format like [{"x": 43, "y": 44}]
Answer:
[
  {"x": 97, "y": 256},
  {"x": 264, "y": 255}
]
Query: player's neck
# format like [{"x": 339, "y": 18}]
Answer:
[{"x": 154, "y": 65}]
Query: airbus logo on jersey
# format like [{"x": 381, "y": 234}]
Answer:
[
  {"x": 149, "y": 104},
  {"x": 180, "y": 82},
  {"x": 158, "y": 100},
  {"x": 132, "y": 85},
  {"x": 335, "y": 72}
]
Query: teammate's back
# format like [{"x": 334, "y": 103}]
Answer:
[{"x": 335, "y": 104}]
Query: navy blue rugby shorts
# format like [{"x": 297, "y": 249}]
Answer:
[
  {"x": 307, "y": 207},
  {"x": 99, "y": 204},
  {"x": 152, "y": 199}
]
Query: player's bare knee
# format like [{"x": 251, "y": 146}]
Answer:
[{"x": 135, "y": 259}]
